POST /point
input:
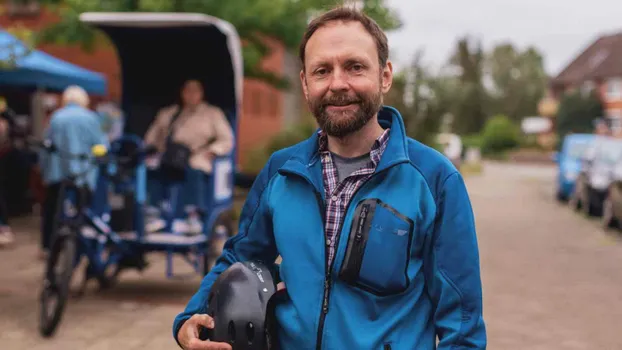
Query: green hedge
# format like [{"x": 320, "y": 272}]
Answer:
[{"x": 500, "y": 135}]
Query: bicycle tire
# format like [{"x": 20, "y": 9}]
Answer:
[
  {"x": 214, "y": 248},
  {"x": 63, "y": 250}
]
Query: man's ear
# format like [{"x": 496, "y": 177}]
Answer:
[
  {"x": 303, "y": 82},
  {"x": 387, "y": 77}
]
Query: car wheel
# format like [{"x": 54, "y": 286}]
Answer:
[
  {"x": 575, "y": 197},
  {"x": 609, "y": 220}
]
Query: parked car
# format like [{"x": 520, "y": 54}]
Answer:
[
  {"x": 596, "y": 175},
  {"x": 568, "y": 161},
  {"x": 612, "y": 206}
]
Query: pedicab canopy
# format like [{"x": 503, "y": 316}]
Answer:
[
  {"x": 159, "y": 51},
  {"x": 37, "y": 69}
]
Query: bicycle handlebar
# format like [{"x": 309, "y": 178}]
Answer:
[{"x": 99, "y": 154}]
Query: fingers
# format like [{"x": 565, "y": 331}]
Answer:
[
  {"x": 203, "y": 320},
  {"x": 280, "y": 286},
  {"x": 196, "y": 344}
]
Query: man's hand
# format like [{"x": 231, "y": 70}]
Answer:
[{"x": 188, "y": 335}]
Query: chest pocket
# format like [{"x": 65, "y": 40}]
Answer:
[{"x": 378, "y": 250}]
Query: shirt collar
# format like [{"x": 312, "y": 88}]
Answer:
[{"x": 376, "y": 150}]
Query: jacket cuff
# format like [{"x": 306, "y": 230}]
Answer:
[{"x": 178, "y": 326}]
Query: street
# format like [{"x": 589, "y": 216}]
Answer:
[{"x": 551, "y": 280}]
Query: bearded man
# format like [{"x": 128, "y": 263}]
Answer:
[{"x": 375, "y": 230}]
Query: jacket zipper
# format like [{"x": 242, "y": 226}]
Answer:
[
  {"x": 357, "y": 249},
  {"x": 328, "y": 275}
]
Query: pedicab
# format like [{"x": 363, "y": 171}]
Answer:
[{"x": 157, "y": 52}]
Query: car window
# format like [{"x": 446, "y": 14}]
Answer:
[
  {"x": 610, "y": 152},
  {"x": 576, "y": 149}
]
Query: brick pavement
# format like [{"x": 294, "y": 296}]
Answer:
[{"x": 551, "y": 280}]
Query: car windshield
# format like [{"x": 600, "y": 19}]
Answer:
[
  {"x": 611, "y": 152},
  {"x": 577, "y": 148}
]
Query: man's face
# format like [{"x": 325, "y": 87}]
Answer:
[
  {"x": 342, "y": 80},
  {"x": 192, "y": 93}
]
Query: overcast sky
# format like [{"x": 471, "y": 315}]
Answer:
[{"x": 560, "y": 29}]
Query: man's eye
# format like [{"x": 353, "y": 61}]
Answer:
[
  {"x": 356, "y": 67},
  {"x": 321, "y": 71}
]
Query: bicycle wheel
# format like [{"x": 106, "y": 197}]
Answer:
[
  {"x": 222, "y": 230},
  {"x": 56, "y": 281}
]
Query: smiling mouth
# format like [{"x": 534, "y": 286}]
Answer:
[{"x": 342, "y": 105}]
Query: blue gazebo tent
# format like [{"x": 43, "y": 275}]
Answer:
[{"x": 37, "y": 69}]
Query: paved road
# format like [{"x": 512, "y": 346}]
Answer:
[{"x": 551, "y": 280}]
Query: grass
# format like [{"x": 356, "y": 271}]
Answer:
[{"x": 467, "y": 169}]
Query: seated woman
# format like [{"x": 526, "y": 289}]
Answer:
[
  {"x": 196, "y": 124},
  {"x": 199, "y": 127}
]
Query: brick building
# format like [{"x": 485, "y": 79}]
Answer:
[
  {"x": 266, "y": 110},
  {"x": 598, "y": 67}
]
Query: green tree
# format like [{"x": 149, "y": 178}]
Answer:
[
  {"x": 284, "y": 20},
  {"x": 422, "y": 100},
  {"x": 577, "y": 113},
  {"x": 470, "y": 102},
  {"x": 519, "y": 80}
]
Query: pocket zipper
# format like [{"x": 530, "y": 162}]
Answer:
[{"x": 358, "y": 247}]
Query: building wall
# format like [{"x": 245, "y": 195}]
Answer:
[
  {"x": 263, "y": 106},
  {"x": 611, "y": 106}
]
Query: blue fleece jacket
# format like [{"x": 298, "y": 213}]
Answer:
[{"x": 406, "y": 270}]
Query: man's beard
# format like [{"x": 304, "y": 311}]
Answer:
[{"x": 343, "y": 123}]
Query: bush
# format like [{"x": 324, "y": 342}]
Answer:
[
  {"x": 531, "y": 142},
  {"x": 500, "y": 135},
  {"x": 472, "y": 141}
]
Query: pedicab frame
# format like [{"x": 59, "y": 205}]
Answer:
[{"x": 198, "y": 47}]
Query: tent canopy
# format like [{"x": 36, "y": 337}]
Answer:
[{"x": 38, "y": 69}]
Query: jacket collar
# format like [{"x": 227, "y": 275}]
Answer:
[{"x": 306, "y": 161}]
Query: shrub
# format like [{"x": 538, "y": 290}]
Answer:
[
  {"x": 472, "y": 141},
  {"x": 500, "y": 135}
]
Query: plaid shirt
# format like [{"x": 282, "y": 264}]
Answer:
[{"x": 338, "y": 195}]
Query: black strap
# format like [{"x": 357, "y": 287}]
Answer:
[
  {"x": 169, "y": 136},
  {"x": 170, "y": 124}
]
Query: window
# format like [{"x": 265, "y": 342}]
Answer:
[
  {"x": 587, "y": 88},
  {"x": 614, "y": 89},
  {"x": 23, "y": 8}
]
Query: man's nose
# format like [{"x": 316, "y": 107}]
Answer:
[{"x": 339, "y": 81}]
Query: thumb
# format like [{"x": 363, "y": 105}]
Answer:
[{"x": 204, "y": 320}]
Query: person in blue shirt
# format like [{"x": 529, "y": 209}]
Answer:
[
  {"x": 7, "y": 120},
  {"x": 73, "y": 129},
  {"x": 375, "y": 230}
]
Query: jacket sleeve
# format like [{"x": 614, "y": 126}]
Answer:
[
  {"x": 223, "y": 144},
  {"x": 254, "y": 241},
  {"x": 453, "y": 271},
  {"x": 156, "y": 132}
]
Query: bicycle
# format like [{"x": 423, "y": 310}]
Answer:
[{"x": 69, "y": 244}]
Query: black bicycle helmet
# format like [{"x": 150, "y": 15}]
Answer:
[{"x": 239, "y": 304}]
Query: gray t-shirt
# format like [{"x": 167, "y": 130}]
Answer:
[{"x": 346, "y": 166}]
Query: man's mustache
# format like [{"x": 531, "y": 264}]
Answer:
[{"x": 340, "y": 100}]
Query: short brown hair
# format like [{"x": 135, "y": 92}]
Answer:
[{"x": 346, "y": 14}]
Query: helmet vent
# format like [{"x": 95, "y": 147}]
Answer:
[
  {"x": 232, "y": 331},
  {"x": 250, "y": 332}
]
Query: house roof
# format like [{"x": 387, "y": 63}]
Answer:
[{"x": 602, "y": 59}]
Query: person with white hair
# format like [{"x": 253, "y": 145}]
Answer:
[
  {"x": 73, "y": 129},
  {"x": 6, "y": 124}
]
